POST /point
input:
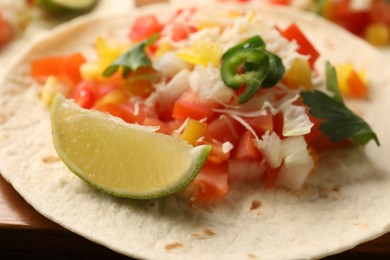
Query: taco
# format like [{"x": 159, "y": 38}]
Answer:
[{"x": 340, "y": 206}]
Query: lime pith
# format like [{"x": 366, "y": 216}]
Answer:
[{"x": 122, "y": 159}]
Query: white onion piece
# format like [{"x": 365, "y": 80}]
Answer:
[{"x": 297, "y": 163}]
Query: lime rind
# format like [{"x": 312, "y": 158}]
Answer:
[
  {"x": 198, "y": 154},
  {"x": 67, "y": 5}
]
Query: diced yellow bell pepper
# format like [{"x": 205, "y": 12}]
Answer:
[
  {"x": 193, "y": 131},
  {"x": 344, "y": 72},
  {"x": 377, "y": 34},
  {"x": 202, "y": 53},
  {"x": 49, "y": 90},
  {"x": 299, "y": 75},
  {"x": 162, "y": 48},
  {"x": 107, "y": 52}
]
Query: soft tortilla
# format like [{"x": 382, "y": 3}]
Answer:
[{"x": 345, "y": 203}]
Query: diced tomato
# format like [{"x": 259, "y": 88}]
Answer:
[
  {"x": 280, "y": 2},
  {"x": 190, "y": 106},
  {"x": 224, "y": 129},
  {"x": 217, "y": 155},
  {"x": 65, "y": 68},
  {"x": 354, "y": 21},
  {"x": 241, "y": 170},
  {"x": 144, "y": 27},
  {"x": 7, "y": 32},
  {"x": 380, "y": 12},
  {"x": 211, "y": 183},
  {"x": 180, "y": 32},
  {"x": 41, "y": 69},
  {"x": 70, "y": 66},
  {"x": 246, "y": 149},
  {"x": 129, "y": 111},
  {"x": 96, "y": 90},
  {"x": 278, "y": 122},
  {"x": 293, "y": 32},
  {"x": 84, "y": 96},
  {"x": 166, "y": 127},
  {"x": 152, "y": 121},
  {"x": 261, "y": 124}
]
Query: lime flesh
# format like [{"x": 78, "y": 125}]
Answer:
[{"x": 122, "y": 159}]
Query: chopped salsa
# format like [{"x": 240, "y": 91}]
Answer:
[{"x": 227, "y": 79}]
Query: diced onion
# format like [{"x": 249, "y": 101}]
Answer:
[{"x": 297, "y": 163}]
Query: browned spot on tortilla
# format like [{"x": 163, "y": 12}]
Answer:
[
  {"x": 195, "y": 235},
  {"x": 139, "y": 3},
  {"x": 2, "y": 119},
  {"x": 251, "y": 256},
  {"x": 365, "y": 225},
  {"x": 152, "y": 204},
  {"x": 336, "y": 189},
  {"x": 50, "y": 159},
  {"x": 173, "y": 246},
  {"x": 255, "y": 204},
  {"x": 209, "y": 232}
]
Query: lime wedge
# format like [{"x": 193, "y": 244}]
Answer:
[
  {"x": 122, "y": 159},
  {"x": 67, "y": 5}
]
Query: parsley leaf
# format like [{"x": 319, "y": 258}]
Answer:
[
  {"x": 332, "y": 83},
  {"x": 339, "y": 122},
  {"x": 132, "y": 59}
]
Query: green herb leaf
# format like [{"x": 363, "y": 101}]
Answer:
[
  {"x": 319, "y": 7},
  {"x": 339, "y": 123},
  {"x": 132, "y": 59},
  {"x": 332, "y": 83},
  {"x": 260, "y": 68}
]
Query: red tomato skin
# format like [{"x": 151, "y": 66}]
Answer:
[
  {"x": 380, "y": 12},
  {"x": 293, "y": 32},
  {"x": 224, "y": 130},
  {"x": 70, "y": 67},
  {"x": 144, "y": 27},
  {"x": 180, "y": 32},
  {"x": 165, "y": 127},
  {"x": 217, "y": 155},
  {"x": 280, "y": 2},
  {"x": 66, "y": 68},
  {"x": 126, "y": 111},
  {"x": 84, "y": 96},
  {"x": 278, "y": 122},
  {"x": 246, "y": 149},
  {"x": 354, "y": 21},
  {"x": 261, "y": 124},
  {"x": 45, "y": 67},
  {"x": 189, "y": 106},
  {"x": 7, "y": 32},
  {"x": 211, "y": 183}
]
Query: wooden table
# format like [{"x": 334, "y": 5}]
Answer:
[{"x": 25, "y": 233}]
